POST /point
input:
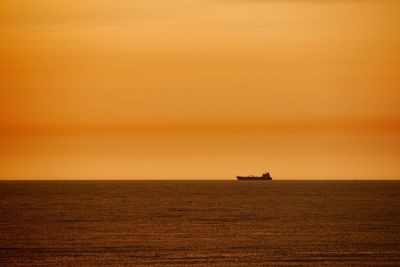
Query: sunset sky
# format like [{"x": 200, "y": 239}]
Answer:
[{"x": 199, "y": 89}]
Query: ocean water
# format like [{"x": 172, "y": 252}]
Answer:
[{"x": 200, "y": 223}]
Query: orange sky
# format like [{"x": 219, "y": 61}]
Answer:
[{"x": 199, "y": 89}]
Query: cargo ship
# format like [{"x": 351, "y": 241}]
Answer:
[{"x": 265, "y": 176}]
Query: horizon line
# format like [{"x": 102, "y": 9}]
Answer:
[{"x": 198, "y": 179}]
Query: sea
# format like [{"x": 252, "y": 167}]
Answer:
[{"x": 200, "y": 223}]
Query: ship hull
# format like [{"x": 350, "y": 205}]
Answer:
[{"x": 244, "y": 178}]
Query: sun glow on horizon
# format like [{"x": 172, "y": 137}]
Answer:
[{"x": 199, "y": 89}]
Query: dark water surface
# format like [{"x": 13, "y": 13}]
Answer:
[{"x": 199, "y": 223}]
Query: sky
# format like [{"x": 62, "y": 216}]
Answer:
[{"x": 199, "y": 89}]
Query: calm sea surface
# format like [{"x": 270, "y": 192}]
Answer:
[{"x": 200, "y": 223}]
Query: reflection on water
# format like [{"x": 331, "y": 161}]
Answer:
[{"x": 222, "y": 223}]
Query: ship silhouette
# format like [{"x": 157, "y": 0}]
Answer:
[{"x": 265, "y": 176}]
